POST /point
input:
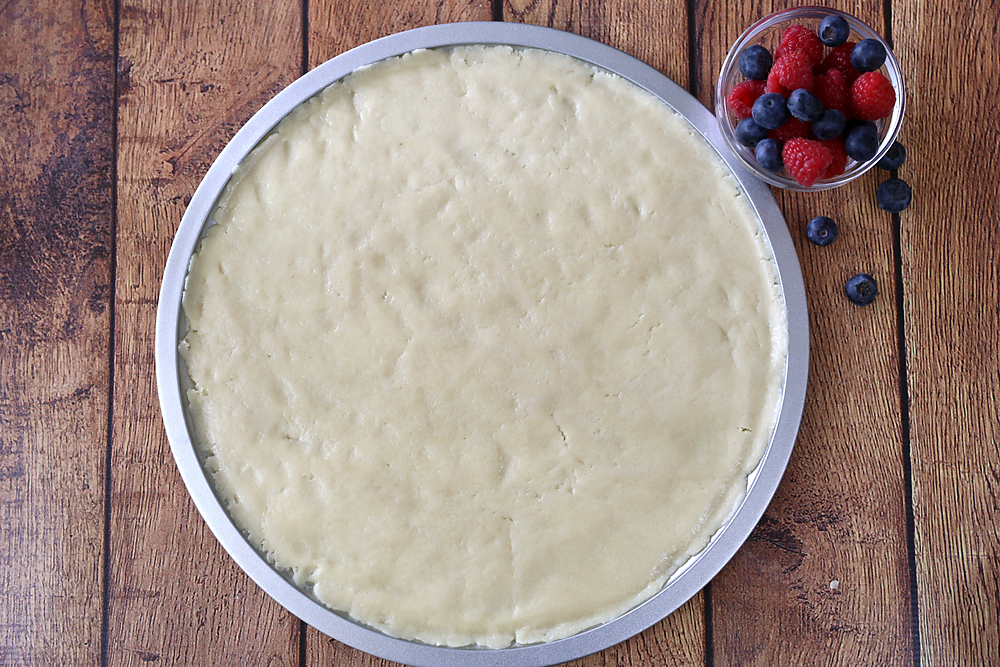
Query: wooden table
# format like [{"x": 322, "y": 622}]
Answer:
[{"x": 113, "y": 110}]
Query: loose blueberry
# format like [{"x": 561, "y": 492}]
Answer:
[
  {"x": 867, "y": 55},
  {"x": 861, "y": 289},
  {"x": 768, "y": 154},
  {"x": 833, "y": 31},
  {"x": 755, "y": 62},
  {"x": 894, "y": 195},
  {"x": 804, "y": 105},
  {"x": 821, "y": 230},
  {"x": 829, "y": 124},
  {"x": 750, "y": 133},
  {"x": 894, "y": 157},
  {"x": 861, "y": 143},
  {"x": 770, "y": 110}
]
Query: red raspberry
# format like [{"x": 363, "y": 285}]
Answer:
[
  {"x": 872, "y": 97},
  {"x": 791, "y": 72},
  {"x": 833, "y": 90},
  {"x": 840, "y": 58},
  {"x": 800, "y": 38},
  {"x": 806, "y": 160},
  {"x": 793, "y": 127},
  {"x": 836, "y": 148},
  {"x": 772, "y": 85},
  {"x": 743, "y": 96}
]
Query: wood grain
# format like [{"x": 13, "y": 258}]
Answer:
[
  {"x": 56, "y": 102},
  {"x": 654, "y": 32},
  {"x": 949, "y": 243},
  {"x": 189, "y": 75},
  {"x": 839, "y": 514},
  {"x": 338, "y": 25},
  {"x": 334, "y": 27},
  {"x": 679, "y": 639}
]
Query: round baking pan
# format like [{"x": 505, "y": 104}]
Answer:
[{"x": 171, "y": 374}]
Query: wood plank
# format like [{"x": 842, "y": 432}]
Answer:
[
  {"x": 334, "y": 27},
  {"x": 55, "y": 270},
  {"x": 189, "y": 75},
  {"x": 950, "y": 283},
  {"x": 656, "y": 33},
  {"x": 839, "y": 514},
  {"x": 634, "y": 27},
  {"x": 338, "y": 25}
]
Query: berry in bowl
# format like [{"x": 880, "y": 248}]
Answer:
[{"x": 810, "y": 98}]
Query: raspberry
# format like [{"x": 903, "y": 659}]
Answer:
[
  {"x": 832, "y": 90},
  {"x": 806, "y": 160},
  {"x": 840, "y": 58},
  {"x": 872, "y": 97},
  {"x": 839, "y": 163},
  {"x": 743, "y": 96},
  {"x": 772, "y": 85},
  {"x": 790, "y": 72},
  {"x": 800, "y": 38},
  {"x": 793, "y": 127}
]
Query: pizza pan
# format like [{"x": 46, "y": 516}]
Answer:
[{"x": 171, "y": 374}]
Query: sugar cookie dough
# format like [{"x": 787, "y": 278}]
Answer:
[{"x": 483, "y": 345}]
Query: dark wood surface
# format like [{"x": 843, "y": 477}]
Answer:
[{"x": 112, "y": 111}]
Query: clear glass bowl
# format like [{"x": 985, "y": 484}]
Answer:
[{"x": 766, "y": 33}]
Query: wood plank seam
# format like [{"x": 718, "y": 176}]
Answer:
[
  {"x": 305, "y": 37},
  {"x": 904, "y": 399},
  {"x": 904, "y": 410},
  {"x": 693, "y": 80},
  {"x": 106, "y": 564},
  {"x": 709, "y": 652},
  {"x": 692, "y": 47}
]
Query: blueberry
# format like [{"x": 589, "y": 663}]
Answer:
[
  {"x": 861, "y": 289},
  {"x": 769, "y": 155},
  {"x": 861, "y": 143},
  {"x": 853, "y": 123},
  {"x": 867, "y": 55},
  {"x": 894, "y": 158},
  {"x": 770, "y": 110},
  {"x": 804, "y": 105},
  {"x": 755, "y": 62},
  {"x": 821, "y": 230},
  {"x": 894, "y": 195},
  {"x": 833, "y": 31},
  {"x": 829, "y": 124},
  {"x": 750, "y": 133}
]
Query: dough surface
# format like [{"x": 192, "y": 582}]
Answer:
[{"x": 483, "y": 345}]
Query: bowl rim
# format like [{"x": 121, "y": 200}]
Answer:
[
  {"x": 730, "y": 67},
  {"x": 693, "y": 575}
]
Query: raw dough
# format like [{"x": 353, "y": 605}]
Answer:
[{"x": 483, "y": 345}]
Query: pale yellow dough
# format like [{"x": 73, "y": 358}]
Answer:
[{"x": 483, "y": 345}]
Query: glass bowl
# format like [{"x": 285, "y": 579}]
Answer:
[{"x": 766, "y": 33}]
